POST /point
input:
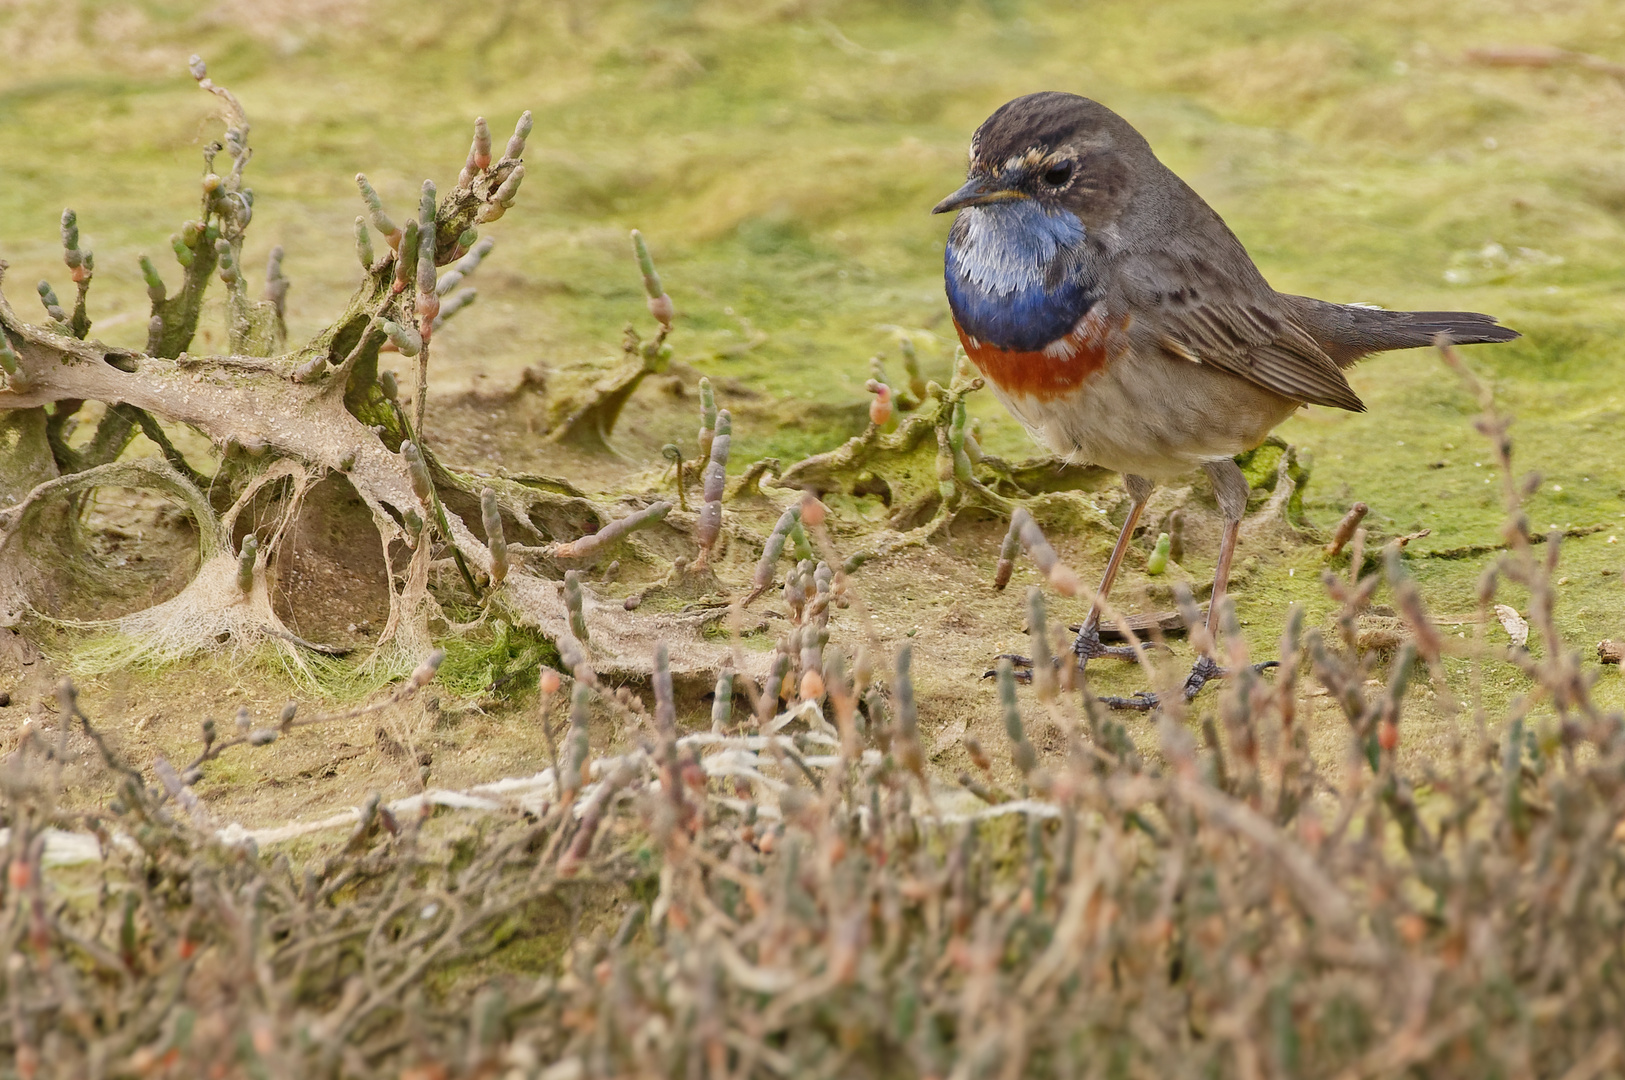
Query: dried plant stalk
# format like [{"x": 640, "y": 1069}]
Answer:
[{"x": 595, "y": 543}]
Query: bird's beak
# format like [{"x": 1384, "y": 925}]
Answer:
[{"x": 976, "y": 192}]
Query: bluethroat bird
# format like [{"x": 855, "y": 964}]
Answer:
[{"x": 1117, "y": 317}]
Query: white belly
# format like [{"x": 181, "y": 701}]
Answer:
[{"x": 1156, "y": 417}]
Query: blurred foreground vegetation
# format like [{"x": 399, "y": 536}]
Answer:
[{"x": 791, "y": 898}]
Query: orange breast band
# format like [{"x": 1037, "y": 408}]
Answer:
[{"x": 1048, "y": 373}]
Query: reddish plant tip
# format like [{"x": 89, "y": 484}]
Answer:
[
  {"x": 426, "y": 671},
  {"x": 1001, "y": 575},
  {"x": 880, "y": 409},
  {"x": 812, "y": 686},
  {"x": 813, "y": 511},
  {"x": 662, "y": 309},
  {"x": 482, "y": 145},
  {"x": 428, "y": 307},
  {"x": 1065, "y": 580},
  {"x": 549, "y": 681},
  {"x": 1388, "y": 735}
]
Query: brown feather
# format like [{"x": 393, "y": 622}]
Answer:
[{"x": 1263, "y": 347}]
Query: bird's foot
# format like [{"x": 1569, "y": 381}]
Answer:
[
  {"x": 1087, "y": 646},
  {"x": 1023, "y": 666},
  {"x": 1205, "y": 671}
]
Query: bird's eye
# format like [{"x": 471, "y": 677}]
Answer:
[{"x": 1058, "y": 175}]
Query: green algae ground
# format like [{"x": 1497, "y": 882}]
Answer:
[{"x": 782, "y": 159}]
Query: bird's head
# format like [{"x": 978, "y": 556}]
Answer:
[{"x": 1062, "y": 151}]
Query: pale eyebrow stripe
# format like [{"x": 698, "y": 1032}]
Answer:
[{"x": 1033, "y": 158}]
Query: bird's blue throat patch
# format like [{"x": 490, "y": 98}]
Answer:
[{"x": 1017, "y": 274}]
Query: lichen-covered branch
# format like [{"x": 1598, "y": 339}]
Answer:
[{"x": 317, "y": 410}]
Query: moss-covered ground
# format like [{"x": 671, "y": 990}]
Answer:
[{"x": 782, "y": 158}]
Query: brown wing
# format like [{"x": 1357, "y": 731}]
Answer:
[
  {"x": 1195, "y": 293},
  {"x": 1257, "y": 341}
]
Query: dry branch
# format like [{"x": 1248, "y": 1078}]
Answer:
[{"x": 322, "y": 409}]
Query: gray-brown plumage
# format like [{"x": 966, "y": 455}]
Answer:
[{"x": 1122, "y": 322}]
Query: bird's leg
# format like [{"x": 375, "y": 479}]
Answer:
[
  {"x": 1231, "y": 488},
  {"x": 1088, "y": 645},
  {"x": 1206, "y": 666}
]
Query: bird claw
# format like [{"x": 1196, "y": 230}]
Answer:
[
  {"x": 1023, "y": 666},
  {"x": 1142, "y": 701},
  {"x": 1087, "y": 646},
  {"x": 1205, "y": 670}
]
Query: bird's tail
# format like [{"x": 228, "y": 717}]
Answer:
[{"x": 1350, "y": 331}]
